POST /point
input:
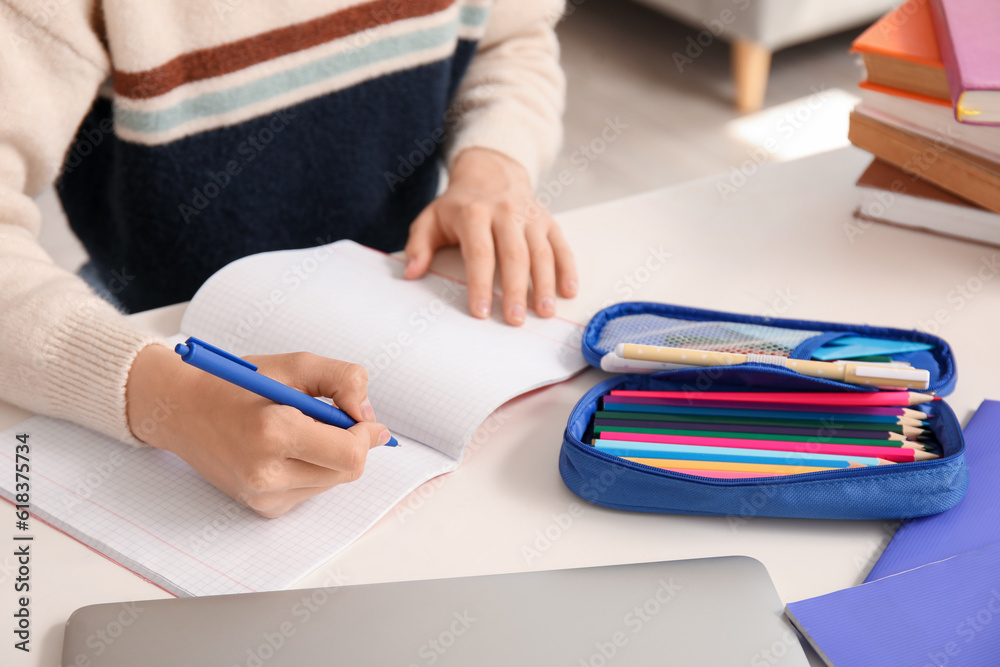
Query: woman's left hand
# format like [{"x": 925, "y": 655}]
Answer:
[{"x": 490, "y": 211}]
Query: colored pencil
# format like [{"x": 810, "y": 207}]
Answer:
[
  {"x": 748, "y": 405},
  {"x": 851, "y": 372},
  {"x": 651, "y": 442},
  {"x": 874, "y": 398},
  {"x": 725, "y": 466},
  {"x": 610, "y": 403},
  {"x": 741, "y": 435},
  {"x": 731, "y": 454},
  {"x": 751, "y": 433},
  {"x": 814, "y": 424},
  {"x": 817, "y": 432},
  {"x": 724, "y": 474}
]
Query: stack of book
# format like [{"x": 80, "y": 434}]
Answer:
[{"x": 929, "y": 113}]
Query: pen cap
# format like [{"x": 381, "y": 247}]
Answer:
[{"x": 190, "y": 352}]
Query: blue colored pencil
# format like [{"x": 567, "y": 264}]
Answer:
[{"x": 730, "y": 454}]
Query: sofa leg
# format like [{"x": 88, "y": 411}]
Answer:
[{"x": 750, "y": 65}]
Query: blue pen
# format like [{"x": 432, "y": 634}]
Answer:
[{"x": 242, "y": 373}]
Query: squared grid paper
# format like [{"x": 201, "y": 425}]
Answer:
[
  {"x": 435, "y": 373},
  {"x": 149, "y": 511}
]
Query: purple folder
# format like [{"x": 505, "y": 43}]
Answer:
[{"x": 974, "y": 523}]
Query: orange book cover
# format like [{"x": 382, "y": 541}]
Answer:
[{"x": 906, "y": 32}]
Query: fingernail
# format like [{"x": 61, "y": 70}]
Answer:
[
  {"x": 410, "y": 263},
  {"x": 481, "y": 308},
  {"x": 383, "y": 438},
  {"x": 547, "y": 306},
  {"x": 367, "y": 412},
  {"x": 516, "y": 313},
  {"x": 571, "y": 286}
]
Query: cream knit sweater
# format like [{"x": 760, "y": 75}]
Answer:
[{"x": 64, "y": 351}]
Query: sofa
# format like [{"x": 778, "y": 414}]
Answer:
[{"x": 757, "y": 28}]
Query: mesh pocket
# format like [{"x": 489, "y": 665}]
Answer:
[{"x": 710, "y": 336}]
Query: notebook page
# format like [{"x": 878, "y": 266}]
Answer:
[
  {"x": 149, "y": 511},
  {"x": 435, "y": 373}
]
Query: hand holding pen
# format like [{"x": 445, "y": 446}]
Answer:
[{"x": 268, "y": 456}]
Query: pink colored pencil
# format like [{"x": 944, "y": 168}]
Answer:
[
  {"x": 724, "y": 474},
  {"x": 895, "y": 454},
  {"x": 700, "y": 402},
  {"x": 875, "y": 398}
]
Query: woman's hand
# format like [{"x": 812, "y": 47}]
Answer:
[
  {"x": 490, "y": 211},
  {"x": 269, "y": 457}
]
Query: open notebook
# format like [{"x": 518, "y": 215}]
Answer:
[{"x": 435, "y": 375}]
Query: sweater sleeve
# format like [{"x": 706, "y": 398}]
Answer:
[
  {"x": 512, "y": 96},
  {"x": 64, "y": 351}
]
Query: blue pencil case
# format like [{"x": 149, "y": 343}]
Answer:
[{"x": 903, "y": 490}]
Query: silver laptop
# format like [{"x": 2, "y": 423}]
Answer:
[{"x": 710, "y": 611}]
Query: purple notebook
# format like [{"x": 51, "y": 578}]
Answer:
[
  {"x": 967, "y": 31},
  {"x": 974, "y": 523},
  {"x": 944, "y": 613}
]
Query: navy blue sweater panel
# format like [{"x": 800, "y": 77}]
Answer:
[{"x": 358, "y": 163}]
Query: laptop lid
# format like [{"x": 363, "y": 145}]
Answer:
[{"x": 710, "y": 611}]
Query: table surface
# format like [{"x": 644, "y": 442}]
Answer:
[{"x": 782, "y": 243}]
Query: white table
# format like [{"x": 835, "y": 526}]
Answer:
[{"x": 777, "y": 246}]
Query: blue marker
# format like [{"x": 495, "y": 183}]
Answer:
[{"x": 242, "y": 373}]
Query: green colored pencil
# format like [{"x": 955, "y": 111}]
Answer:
[
  {"x": 761, "y": 436},
  {"x": 907, "y": 430}
]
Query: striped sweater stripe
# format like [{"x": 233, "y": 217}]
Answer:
[
  {"x": 272, "y": 86},
  {"x": 234, "y": 56}
]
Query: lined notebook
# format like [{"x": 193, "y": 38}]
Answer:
[
  {"x": 435, "y": 375},
  {"x": 944, "y": 613},
  {"x": 973, "y": 523}
]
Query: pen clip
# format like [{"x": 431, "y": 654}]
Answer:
[{"x": 222, "y": 353}]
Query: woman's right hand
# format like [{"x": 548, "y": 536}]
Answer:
[{"x": 269, "y": 457}]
